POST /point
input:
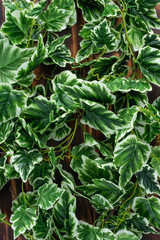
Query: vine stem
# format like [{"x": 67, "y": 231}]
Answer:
[
  {"x": 2, "y": 220},
  {"x": 125, "y": 29}
]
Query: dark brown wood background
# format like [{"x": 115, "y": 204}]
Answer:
[{"x": 84, "y": 210}]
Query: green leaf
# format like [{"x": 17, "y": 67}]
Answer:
[
  {"x": 111, "y": 9},
  {"x": 3, "y": 161},
  {"x": 77, "y": 153},
  {"x": 155, "y": 162},
  {"x": 10, "y": 172},
  {"x": 91, "y": 10},
  {"x": 23, "y": 219},
  {"x": 40, "y": 113},
  {"x": 130, "y": 115},
  {"x": 43, "y": 227},
  {"x": 64, "y": 214},
  {"x": 12, "y": 102},
  {"x": 88, "y": 47},
  {"x": 17, "y": 26},
  {"x": 37, "y": 8},
  {"x": 23, "y": 139},
  {"x": 108, "y": 189},
  {"x": 24, "y": 162},
  {"x": 12, "y": 58},
  {"x": 54, "y": 18},
  {"x": 130, "y": 155},
  {"x": 152, "y": 40},
  {"x": 102, "y": 36},
  {"x": 125, "y": 235},
  {"x": 5, "y": 130},
  {"x": 25, "y": 74},
  {"x": 101, "y": 68},
  {"x": 60, "y": 132},
  {"x": 100, "y": 203},
  {"x": 49, "y": 194},
  {"x": 148, "y": 3},
  {"x": 148, "y": 208},
  {"x": 90, "y": 170},
  {"x": 98, "y": 117},
  {"x": 136, "y": 38},
  {"x": 126, "y": 85},
  {"x": 147, "y": 179},
  {"x": 104, "y": 148},
  {"x": 140, "y": 224},
  {"x": 148, "y": 60},
  {"x": 20, "y": 200},
  {"x": 87, "y": 231}
]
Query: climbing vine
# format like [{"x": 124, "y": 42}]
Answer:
[{"x": 119, "y": 175}]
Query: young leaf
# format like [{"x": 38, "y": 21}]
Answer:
[
  {"x": 49, "y": 194},
  {"x": 149, "y": 208},
  {"x": 23, "y": 219},
  {"x": 130, "y": 155},
  {"x": 24, "y": 162}
]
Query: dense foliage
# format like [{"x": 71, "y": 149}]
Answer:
[{"x": 119, "y": 175}]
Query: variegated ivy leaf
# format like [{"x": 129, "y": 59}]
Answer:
[
  {"x": 10, "y": 172},
  {"x": 136, "y": 38},
  {"x": 152, "y": 40},
  {"x": 43, "y": 227},
  {"x": 129, "y": 99},
  {"x": 100, "y": 203},
  {"x": 41, "y": 170},
  {"x": 87, "y": 231},
  {"x": 3, "y": 179},
  {"x": 23, "y": 219},
  {"x": 103, "y": 37},
  {"x": 36, "y": 9},
  {"x": 104, "y": 148},
  {"x": 17, "y": 26},
  {"x": 90, "y": 170},
  {"x": 108, "y": 189},
  {"x": 94, "y": 91},
  {"x": 148, "y": 60},
  {"x": 40, "y": 113},
  {"x": 58, "y": 53},
  {"x": 60, "y": 132},
  {"x": 25, "y": 74},
  {"x": 12, "y": 57},
  {"x": 125, "y": 235},
  {"x": 147, "y": 179},
  {"x": 31, "y": 199},
  {"x": 130, "y": 115},
  {"x": 91, "y": 10},
  {"x": 88, "y": 47},
  {"x": 64, "y": 214},
  {"x": 126, "y": 85},
  {"x": 12, "y": 5},
  {"x": 68, "y": 5},
  {"x": 55, "y": 19},
  {"x": 49, "y": 194},
  {"x": 68, "y": 179},
  {"x": 12, "y": 102},
  {"x": 140, "y": 224},
  {"x": 148, "y": 3},
  {"x": 2, "y": 216},
  {"x": 155, "y": 162},
  {"x": 23, "y": 139},
  {"x": 79, "y": 151},
  {"x": 110, "y": 9},
  {"x": 98, "y": 117},
  {"x": 101, "y": 68},
  {"x": 24, "y": 162},
  {"x": 156, "y": 104},
  {"x": 130, "y": 155},
  {"x": 5, "y": 130},
  {"x": 148, "y": 208}
]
